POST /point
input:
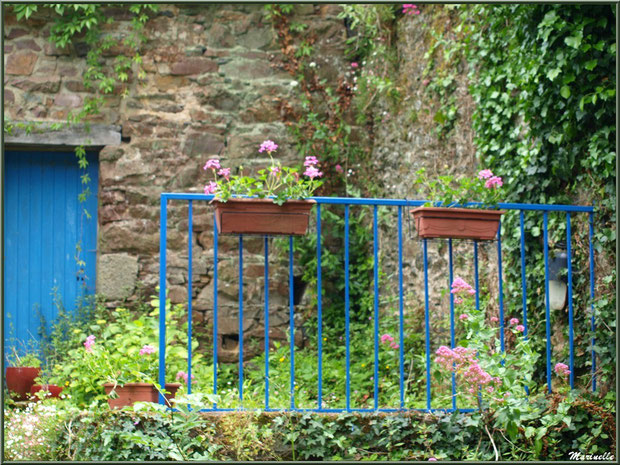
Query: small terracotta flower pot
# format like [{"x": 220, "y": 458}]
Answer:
[
  {"x": 19, "y": 380},
  {"x": 53, "y": 390},
  {"x": 456, "y": 223},
  {"x": 137, "y": 392},
  {"x": 262, "y": 216}
]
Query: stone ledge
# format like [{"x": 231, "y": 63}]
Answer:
[{"x": 99, "y": 135}]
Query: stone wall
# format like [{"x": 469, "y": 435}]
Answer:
[{"x": 213, "y": 87}]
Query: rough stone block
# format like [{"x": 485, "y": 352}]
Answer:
[
  {"x": 116, "y": 275},
  {"x": 193, "y": 65},
  {"x": 21, "y": 63},
  {"x": 203, "y": 144},
  {"x": 43, "y": 84}
]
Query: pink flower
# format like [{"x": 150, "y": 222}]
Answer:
[
  {"x": 410, "y": 9},
  {"x": 211, "y": 187},
  {"x": 89, "y": 343},
  {"x": 493, "y": 182},
  {"x": 312, "y": 172},
  {"x": 520, "y": 328},
  {"x": 458, "y": 300},
  {"x": 386, "y": 337},
  {"x": 494, "y": 319},
  {"x": 339, "y": 169},
  {"x": 514, "y": 321},
  {"x": 463, "y": 316},
  {"x": 212, "y": 164},
  {"x": 147, "y": 349},
  {"x": 310, "y": 161},
  {"x": 268, "y": 146},
  {"x": 485, "y": 174},
  {"x": 561, "y": 369},
  {"x": 432, "y": 459},
  {"x": 426, "y": 82},
  {"x": 274, "y": 170},
  {"x": 224, "y": 172},
  {"x": 394, "y": 346},
  {"x": 182, "y": 375},
  {"x": 354, "y": 64}
]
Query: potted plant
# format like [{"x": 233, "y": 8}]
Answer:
[
  {"x": 21, "y": 373},
  {"x": 275, "y": 202},
  {"x": 44, "y": 386},
  {"x": 130, "y": 373},
  {"x": 448, "y": 214}
]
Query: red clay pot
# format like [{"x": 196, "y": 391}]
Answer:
[
  {"x": 137, "y": 392},
  {"x": 262, "y": 216},
  {"x": 19, "y": 380},
  {"x": 456, "y": 223},
  {"x": 53, "y": 389}
]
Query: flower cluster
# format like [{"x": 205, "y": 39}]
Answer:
[
  {"x": 461, "y": 288},
  {"x": 561, "y": 369},
  {"x": 147, "y": 349},
  {"x": 276, "y": 180},
  {"x": 184, "y": 376},
  {"x": 89, "y": 343},
  {"x": 462, "y": 360},
  {"x": 387, "y": 338},
  {"x": 515, "y": 322},
  {"x": 492, "y": 181},
  {"x": 410, "y": 9}
]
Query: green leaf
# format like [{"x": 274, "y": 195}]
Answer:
[
  {"x": 553, "y": 73},
  {"x": 565, "y": 91},
  {"x": 590, "y": 65},
  {"x": 573, "y": 41}
]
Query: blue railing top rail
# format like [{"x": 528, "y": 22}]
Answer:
[{"x": 403, "y": 202}]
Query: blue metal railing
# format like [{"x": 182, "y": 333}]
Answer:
[{"x": 374, "y": 203}]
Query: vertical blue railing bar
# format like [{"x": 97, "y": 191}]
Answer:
[
  {"x": 401, "y": 325},
  {"x": 291, "y": 308},
  {"x": 376, "y": 303},
  {"x": 346, "y": 308},
  {"x": 523, "y": 281},
  {"x": 476, "y": 284},
  {"x": 427, "y": 329},
  {"x": 240, "y": 317},
  {"x": 592, "y": 321},
  {"x": 215, "y": 335},
  {"x": 452, "y": 337},
  {"x": 501, "y": 287},
  {"x": 571, "y": 336},
  {"x": 319, "y": 304},
  {"x": 547, "y": 314},
  {"x": 163, "y": 219},
  {"x": 266, "y": 322},
  {"x": 190, "y": 220}
]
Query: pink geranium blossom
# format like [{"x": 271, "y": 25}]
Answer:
[
  {"x": 485, "y": 174},
  {"x": 212, "y": 164},
  {"x": 224, "y": 172},
  {"x": 182, "y": 375},
  {"x": 310, "y": 161},
  {"x": 268, "y": 146},
  {"x": 312, "y": 172},
  {"x": 89, "y": 343},
  {"x": 147, "y": 349},
  {"x": 493, "y": 182},
  {"x": 211, "y": 187}
]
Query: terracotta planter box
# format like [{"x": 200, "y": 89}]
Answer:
[
  {"x": 53, "y": 390},
  {"x": 262, "y": 216},
  {"x": 19, "y": 380},
  {"x": 137, "y": 392},
  {"x": 456, "y": 223}
]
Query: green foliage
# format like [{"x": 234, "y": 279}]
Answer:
[{"x": 543, "y": 79}]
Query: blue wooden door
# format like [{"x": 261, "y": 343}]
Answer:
[{"x": 44, "y": 222}]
